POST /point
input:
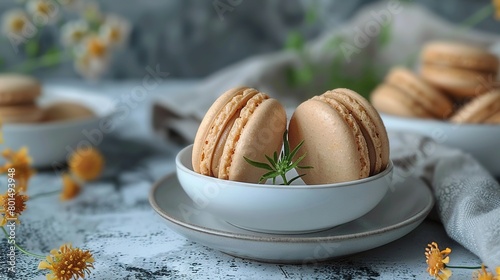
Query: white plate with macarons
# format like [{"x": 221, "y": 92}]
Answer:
[{"x": 62, "y": 120}]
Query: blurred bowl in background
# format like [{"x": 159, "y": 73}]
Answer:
[
  {"x": 480, "y": 140},
  {"x": 51, "y": 143}
]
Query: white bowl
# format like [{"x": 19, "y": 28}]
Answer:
[
  {"x": 51, "y": 143},
  {"x": 480, "y": 140},
  {"x": 297, "y": 208}
]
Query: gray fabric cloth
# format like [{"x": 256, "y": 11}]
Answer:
[{"x": 468, "y": 198}]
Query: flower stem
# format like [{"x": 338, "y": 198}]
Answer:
[
  {"x": 477, "y": 17},
  {"x": 44, "y": 194},
  {"x": 21, "y": 248},
  {"x": 464, "y": 267},
  {"x": 46, "y": 60},
  {"x": 285, "y": 182}
]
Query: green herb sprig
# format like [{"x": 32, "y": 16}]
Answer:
[{"x": 280, "y": 166}]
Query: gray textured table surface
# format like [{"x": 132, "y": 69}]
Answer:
[{"x": 113, "y": 219}]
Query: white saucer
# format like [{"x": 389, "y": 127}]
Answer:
[{"x": 403, "y": 208}]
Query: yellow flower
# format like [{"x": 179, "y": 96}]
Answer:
[
  {"x": 67, "y": 263},
  {"x": 13, "y": 204},
  {"x": 496, "y": 5},
  {"x": 86, "y": 164},
  {"x": 436, "y": 261},
  {"x": 70, "y": 188},
  {"x": 483, "y": 274},
  {"x": 20, "y": 161}
]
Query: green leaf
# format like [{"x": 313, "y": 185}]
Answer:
[
  {"x": 271, "y": 174},
  {"x": 296, "y": 163},
  {"x": 295, "y": 178},
  {"x": 272, "y": 161},
  {"x": 286, "y": 144},
  {"x": 294, "y": 41},
  {"x": 295, "y": 150},
  {"x": 258, "y": 164},
  {"x": 311, "y": 15},
  {"x": 280, "y": 165},
  {"x": 304, "y": 167},
  {"x": 385, "y": 34},
  {"x": 31, "y": 48},
  {"x": 304, "y": 75}
]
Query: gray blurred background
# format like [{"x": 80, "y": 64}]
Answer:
[{"x": 190, "y": 39}]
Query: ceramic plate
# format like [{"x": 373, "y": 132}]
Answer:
[
  {"x": 51, "y": 143},
  {"x": 403, "y": 208}
]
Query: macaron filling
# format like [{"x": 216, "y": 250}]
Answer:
[
  {"x": 219, "y": 126},
  {"x": 368, "y": 129},
  {"x": 235, "y": 133}
]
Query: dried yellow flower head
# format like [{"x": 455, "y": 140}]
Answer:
[
  {"x": 86, "y": 164},
  {"x": 13, "y": 204},
  {"x": 70, "y": 188},
  {"x": 67, "y": 263},
  {"x": 482, "y": 274},
  {"x": 20, "y": 162},
  {"x": 436, "y": 261}
]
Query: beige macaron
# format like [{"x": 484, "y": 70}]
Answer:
[
  {"x": 482, "y": 109},
  {"x": 344, "y": 137},
  {"x": 459, "y": 69},
  {"x": 405, "y": 94},
  {"x": 26, "y": 113},
  {"x": 64, "y": 111},
  {"x": 18, "y": 89},
  {"x": 242, "y": 122}
]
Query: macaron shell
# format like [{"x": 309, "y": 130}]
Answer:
[
  {"x": 479, "y": 109},
  {"x": 391, "y": 100},
  {"x": 18, "y": 89},
  {"x": 330, "y": 145},
  {"x": 21, "y": 113},
  {"x": 457, "y": 82},
  {"x": 495, "y": 119},
  {"x": 371, "y": 125},
  {"x": 459, "y": 55},
  {"x": 64, "y": 111},
  {"x": 261, "y": 134},
  {"x": 425, "y": 95},
  {"x": 208, "y": 122}
]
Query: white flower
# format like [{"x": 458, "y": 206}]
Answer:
[
  {"x": 114, "y": 30},
  {"x": 92, "y": 58},
  {"x": 73, "y": 32},
  {"x": 16, "y": 22},
  {"x": 43, "y": 11}
]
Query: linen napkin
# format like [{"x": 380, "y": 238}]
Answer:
[{"x": 467, "y": 197}]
